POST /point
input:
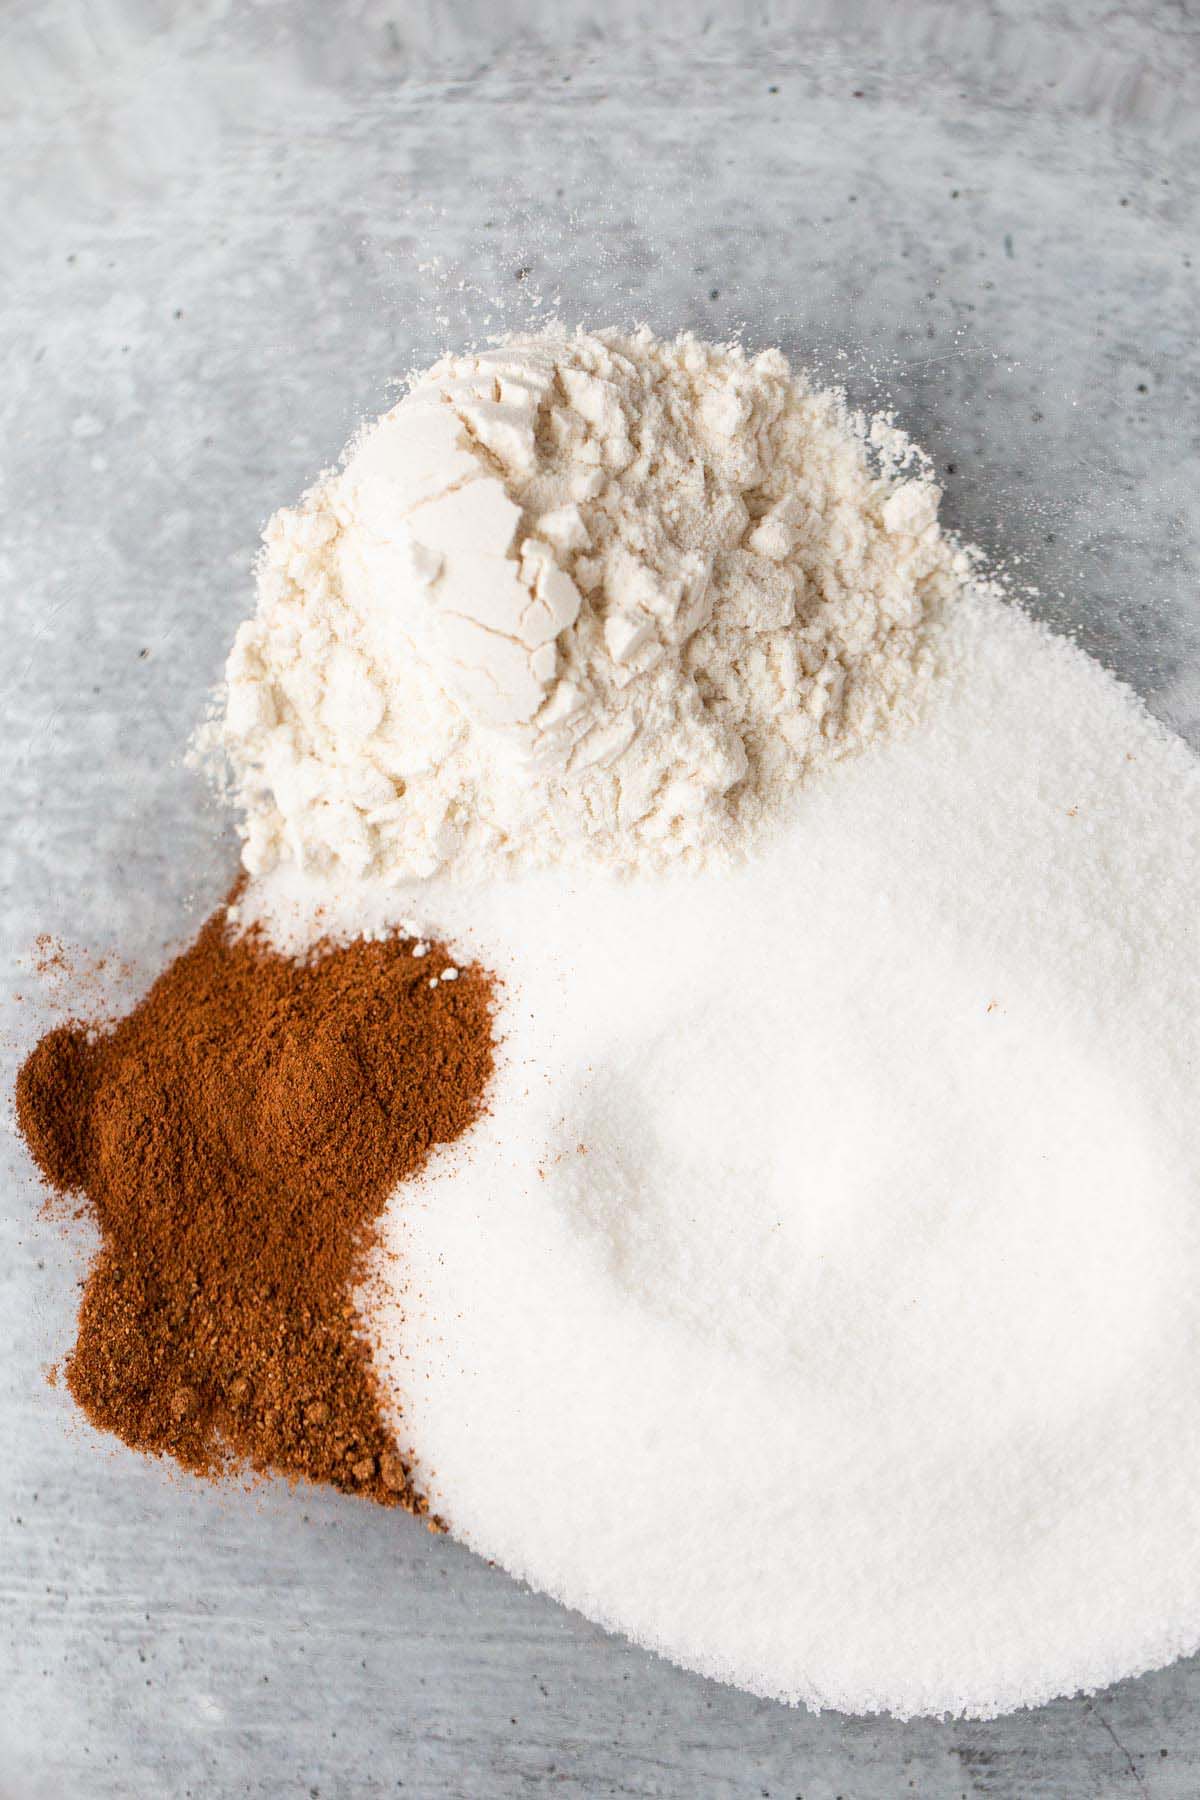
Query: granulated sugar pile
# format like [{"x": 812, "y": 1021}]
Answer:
[
  {"x": 817, "y": 1302},
  {"x": 811, "y": 1293}
]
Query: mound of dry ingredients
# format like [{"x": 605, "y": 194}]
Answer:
[
  {"x": 580, "y": 599},
  {"x": 234, "y": 1138},
  {"x": 814, "y": 1299},
  {"x": 851, "y": 1198}
]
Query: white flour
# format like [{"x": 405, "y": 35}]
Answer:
[
  {"x": 579, "y": 599},
  {"x": 818, "y": 1302}
]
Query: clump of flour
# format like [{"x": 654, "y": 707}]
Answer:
[{"x": 579, "y": 599}]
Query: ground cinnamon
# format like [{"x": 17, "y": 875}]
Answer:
[{"x": 236, "y": 1136}]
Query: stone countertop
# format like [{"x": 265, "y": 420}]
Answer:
[{"x": 226, "y": 234}]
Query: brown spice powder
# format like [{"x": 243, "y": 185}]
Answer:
[{"x": 236, "y": 1137}]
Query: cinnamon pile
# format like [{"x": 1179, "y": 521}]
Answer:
[{"x": 236, "y": 1137}]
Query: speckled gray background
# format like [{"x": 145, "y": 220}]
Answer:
[{"x": 223, "y": 229}]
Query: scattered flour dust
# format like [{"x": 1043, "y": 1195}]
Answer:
[
  {"x": 579, "y": 599},
  {"x": 817, "y": 1304}
]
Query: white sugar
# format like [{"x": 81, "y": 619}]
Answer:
[{"x": 816, "y": 1303}]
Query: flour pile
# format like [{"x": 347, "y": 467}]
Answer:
[{"x": 579, "y": 599}]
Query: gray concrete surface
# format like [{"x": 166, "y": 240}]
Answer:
[{"x": 223, "y": 230}]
